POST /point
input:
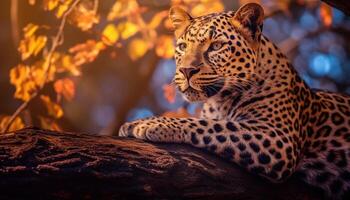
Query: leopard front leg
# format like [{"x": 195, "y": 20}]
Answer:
[
  {"x": 156, "y": 129},
  {"x": 255, "y": 147}
]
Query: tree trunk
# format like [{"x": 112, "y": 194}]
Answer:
[{"x": 37, "y": 163}]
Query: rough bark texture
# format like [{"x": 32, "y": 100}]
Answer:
[{"x": 45, "y": 164}]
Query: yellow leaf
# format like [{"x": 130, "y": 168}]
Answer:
[
  {"x": 84, "y": 16},
  {"x": 122, "y": 8},
  {"x": 165, "y": 47},
  {"x": 40, "y": 75},
  {"x": 16, "y": 124},
  {"x": 50, "y": 4},
  {"x": 110, "y": 35},
  {"x": 157, "y": 19},
  {"x": 207, "y": 7},
  {"x": 326, "y": 14},
  {"x": 31, "y": 46},
  {"x": 65, "y": 63},
  {"x": 50, "y": 124},
  {"x": 127, "y": 29},
  {"x": 62, "y": 8},
  {"x": 53, "y": 108},
  {"x": 39, "y": 44},
  {"x": 65, "y": 87},
  {"x": 137, "y": 48},
  {"x": 20, "y": 77},
  {"x": 86, "y": 52},
  {"x": 30, "y": 29}
]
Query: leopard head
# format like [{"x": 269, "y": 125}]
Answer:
[{"x": 215, "y": 51}]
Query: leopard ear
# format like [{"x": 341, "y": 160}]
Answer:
[
  {"x": 180, "y": 20},
  {"x": 249, "y": 18}
]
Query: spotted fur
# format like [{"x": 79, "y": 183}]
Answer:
[{"x": 257, "y": 111}]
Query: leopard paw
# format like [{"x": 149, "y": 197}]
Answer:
[{"x": 141, "y": 129}]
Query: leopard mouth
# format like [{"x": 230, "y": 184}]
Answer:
[
  {"x": 211, "y": 90},
  {"x": 208, "y": 90},
  {"x": 190, "y": 89}
]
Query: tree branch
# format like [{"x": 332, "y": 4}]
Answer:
[
  {"x": 57, "y": 40},
  {"x": 59, "y": 165}
]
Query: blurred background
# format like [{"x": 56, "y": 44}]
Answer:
[{"x": 112, "y": 60}]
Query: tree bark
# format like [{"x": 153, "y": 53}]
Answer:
[{"x": 37, "y": 163}]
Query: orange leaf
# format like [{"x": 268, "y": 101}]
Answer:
[
  {"x": 20, "y": 78},
  {"x": 157, "y": 19},
  {"x": 16, "y": 124},
  {"x": 110, "y": 34},
  {"x": 165, "y": 46},
  {"x": 326, "y": 14},
  {"x": 49, "y": 124},
  {"x": 50, "y": 4},
  {"x": 127, "y": 29},
  {"x": 53, "y": 108},
  {"x": 31, "y": 44},
  {"x": 207, "y": 7},
  {"x": 66, "y": 63},
  {"x": 86, "y": 52},
  {"x": 65, "y": 87},
  {"x": 63, "y": 7},
  {"x": 137, "y": 48},
  {"x": 122, "y": 8},
  {"x": 84, "y": 16},
  {"x": 169, "y": 92}
]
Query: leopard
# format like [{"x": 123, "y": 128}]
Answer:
[{"x": 257, "y": 113}]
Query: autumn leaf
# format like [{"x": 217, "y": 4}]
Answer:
[
  {"x": 127, "y": 29},
  {"x": 84, "y": 16},
  {"x": 207, "y": 7},
  {"x": 65, "y": 87},
  {"x": 50, "y": 124},
  {"x": 326, "y": 14},
  {"x": 86, "y": 52},
  {"x": 53, "y": 109},
  {"x": 157, "y": 19},
  {"x": 137, "y": 48},
  {"x": 30, "y": 29},
  {"x": 50, "y": 4},
  {"x": 31, "y": 44},
  {"x": 16, "y": 124},
  {"x": 122, "y": 8},
  {"x": 169, "y": 92},
  {"x": 110, "y": 34},
  {"x": 40, "y": 74},
  {"x": 66, "y": 63},
  {"x": 20, "y": 78},
  {"x": 63, "y": 7},
  {"x": 165, "y": 46}
]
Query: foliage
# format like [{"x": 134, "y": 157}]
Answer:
[{"x": 44, "y": 65}]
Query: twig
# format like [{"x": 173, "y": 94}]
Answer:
[{"x": 57, "y": 40}]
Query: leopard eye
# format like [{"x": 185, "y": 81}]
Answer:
[
  {"x": 182, "y": 46},
  {"x": 216, "y": 46}
]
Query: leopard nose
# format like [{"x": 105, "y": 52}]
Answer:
[{"x": 189, "y": 72}]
